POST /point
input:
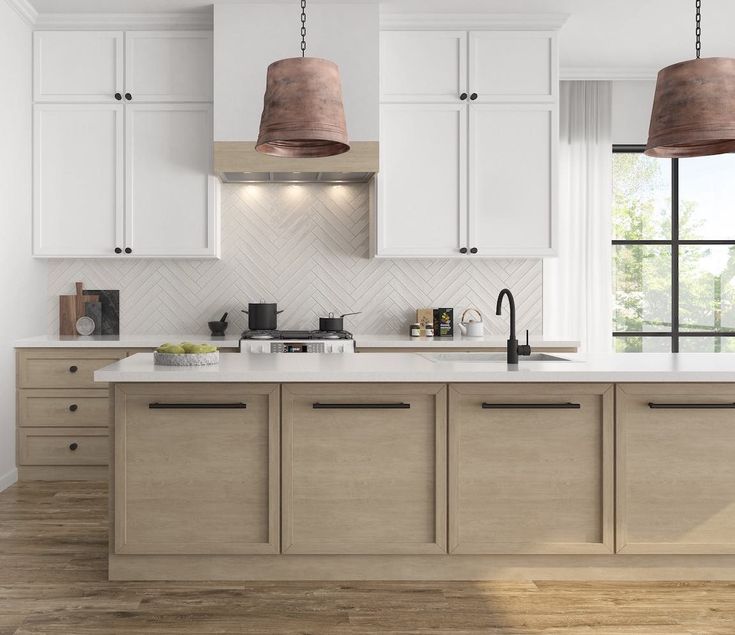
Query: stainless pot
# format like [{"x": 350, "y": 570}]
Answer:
[
  {"x": 262, "y": 316},
  {"x": 333, "y": 323}
]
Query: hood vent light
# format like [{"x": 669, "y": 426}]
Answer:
[{"x": 296, "y": 177}]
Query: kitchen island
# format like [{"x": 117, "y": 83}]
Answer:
[{"x": 406, "y": 466}]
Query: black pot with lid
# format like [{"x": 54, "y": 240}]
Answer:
[
  {"x": 262, "y": 316},
  {"x": 334, "y": 323}
]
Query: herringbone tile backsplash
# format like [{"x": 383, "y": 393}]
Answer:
[{"x": 306, "y": 247}]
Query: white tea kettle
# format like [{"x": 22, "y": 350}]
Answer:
[{"x": 472, "y": 328}]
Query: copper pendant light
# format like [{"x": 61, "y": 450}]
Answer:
[
  {"x": 303, "y": 114},
  {"x": 694, "y": 106}
]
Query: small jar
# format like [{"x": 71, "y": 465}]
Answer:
[
  {"x": 429, "y": 330},
  {"x": 415, "y": 330}
]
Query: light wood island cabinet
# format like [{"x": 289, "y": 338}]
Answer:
[
  {"x": 530, "y": 468},
  {"x": 364, "y": 469},
  {"x": 676, "y": 468}
]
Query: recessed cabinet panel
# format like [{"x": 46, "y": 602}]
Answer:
[
  {"x": 74, "y": 66},
  {"x": 423, "y": 65},
  {"x": 193, "y": 479},
  {"x": 168, "y": 203},
  {"x": 513, "y": 65},
  {"x": 512, "y": 178},
  {"x": 530, "y": 468},
  {"x": 78, "y": 179},
  {"x": 422, "y": 180},
  {"x": 675, "y": 468},
  {"x": 168, "y": 65},
  {"x": 364, "y": 469}
]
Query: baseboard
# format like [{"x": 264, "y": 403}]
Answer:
[{"x": 6, "y": 480}]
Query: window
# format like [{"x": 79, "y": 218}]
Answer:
[{"x": 673, "y": 253}]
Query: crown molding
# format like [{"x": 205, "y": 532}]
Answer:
[
  {"x": 24, "y": 9},
  {"x": 124, "y": 21},
  {"x": 470, "y": 21},
  {"x": 608, "y": 73}
]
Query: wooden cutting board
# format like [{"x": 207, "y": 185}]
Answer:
[{"x": 72, "y": 307}]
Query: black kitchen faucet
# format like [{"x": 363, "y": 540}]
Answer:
[{"x": 514, "y": 348}]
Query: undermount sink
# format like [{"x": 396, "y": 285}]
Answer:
[{"x": 491, "y": 357}]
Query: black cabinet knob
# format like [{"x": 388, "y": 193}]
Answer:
[
  {"x": 128, "y": 96},
  {"x": 463, "y": 96},
  {"x": 463, "y": 250},
  {"x": 473, "y": 250},
  {"x": 118, "y": 96},
  {"x": 73, "y": 407},
  {"x": 473, "y": 96},
  {"x": 73, "y": 446},
  {"x": 128, "y": 250},
  {"x": 73, "y": 369},
  {"x": 118, "y": 250}
]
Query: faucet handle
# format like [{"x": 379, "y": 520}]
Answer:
[{"x": 524, "y": 349}]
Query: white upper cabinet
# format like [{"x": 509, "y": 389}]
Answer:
[
  {"x": 427, "y": 66},
  {"x": 127, "y": 174},
  {"x": 78, "y": 179},
  {"x": 168, "y": 65},
  {"x": 469, "y": 127},
  {"x": 424, "y": 220},
  {"x": 78, "y": 66},
  {"x": 513, "y": 65},
  {"x": 168, "y": 149}
]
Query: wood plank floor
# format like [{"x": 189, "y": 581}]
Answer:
[{"x": 53, "y": 547}]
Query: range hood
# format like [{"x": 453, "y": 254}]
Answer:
[{"x": 247, "y": 38}]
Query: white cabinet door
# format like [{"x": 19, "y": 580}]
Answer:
[
  {"x": 169, "y": 197},
  {"x": 422, "y": 181},
  {"x": 74, "y": 66},
  {"x": 513, "y": 66},
  {"x": 512, "y": 179},
  {"x": 426, "y": 66},
  {"x": 78, "y": 180},
  {"x": 168, "y": 66}
]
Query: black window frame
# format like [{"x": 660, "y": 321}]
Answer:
[{"x": 674, "y": 242}]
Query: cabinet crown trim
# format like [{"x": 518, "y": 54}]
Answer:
[
  {"x": 473, "y": 21},
  {"x": 25, "y": 10},
  {"x": 124, "y": 21}
]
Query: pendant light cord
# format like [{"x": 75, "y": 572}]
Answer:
[
  {"x": 697, "y": 30},
  {"x": 303, "y": 27}
]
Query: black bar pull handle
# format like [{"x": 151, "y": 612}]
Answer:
[
  {"x": 691, "y": 406},
  {"x": 531, "y": 406},
  {"x": 197, "y": 406},
  {"x": 361, "y": 406}
]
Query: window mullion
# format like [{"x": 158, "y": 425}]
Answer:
[{"x": 674, "y": 255}]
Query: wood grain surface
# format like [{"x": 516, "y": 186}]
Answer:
[{"x": 53, "y": 580}]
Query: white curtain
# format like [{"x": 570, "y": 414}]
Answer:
[{"x": 577, "y": 284}]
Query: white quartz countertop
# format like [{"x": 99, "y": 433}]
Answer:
[
  {"x": 123, "y": 341},
  {"x": 233, "y": 341},
  {"x": 420, "y": 367},
  {"x": 458, "y": 341}
]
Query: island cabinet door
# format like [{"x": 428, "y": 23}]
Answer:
[
  {"x": 530, "y": 468},
  {"x": 675, "y": 468},
  {"x": 364, "y": 469},
  {"x": 196, "y": 468}
]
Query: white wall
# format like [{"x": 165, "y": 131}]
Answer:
[
  {"x": 631, "y": 111},
  {"x": 22, "y": 280},
  {"x": 247, "y": 38}
]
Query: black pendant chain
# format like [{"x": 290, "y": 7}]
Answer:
[
  {"x": 303, "y": 27},
  {"x": 697, "y": 30}
]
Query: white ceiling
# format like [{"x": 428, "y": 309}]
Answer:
[{"x": 599, "y": 33}]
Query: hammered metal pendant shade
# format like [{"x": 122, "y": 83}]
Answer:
[
  {"x": 303, "y": 114},
  {"x": 693, "y": 109}
]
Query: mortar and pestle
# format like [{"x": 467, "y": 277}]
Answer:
[{"x": 218, "y": 327}]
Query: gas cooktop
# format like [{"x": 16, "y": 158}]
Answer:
[{"x": 297, "y": 335}]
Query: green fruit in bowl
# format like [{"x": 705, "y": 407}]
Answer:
[
  {"x": 208, "y": 348},
  {"x": 174, "y": 349},
  {"x": 189, "y": 347}
]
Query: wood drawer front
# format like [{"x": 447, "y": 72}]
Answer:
[
  {"x": 55, "y": 368},
  {"x": 364, "y": 481},
  {"x": 675, "y": 469},
  {"x": 63, "y": 408},
  {"x": 52, "y": 446},
  {"x": 530, "y": 479},
  {"x": 196, "y": 480}
]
